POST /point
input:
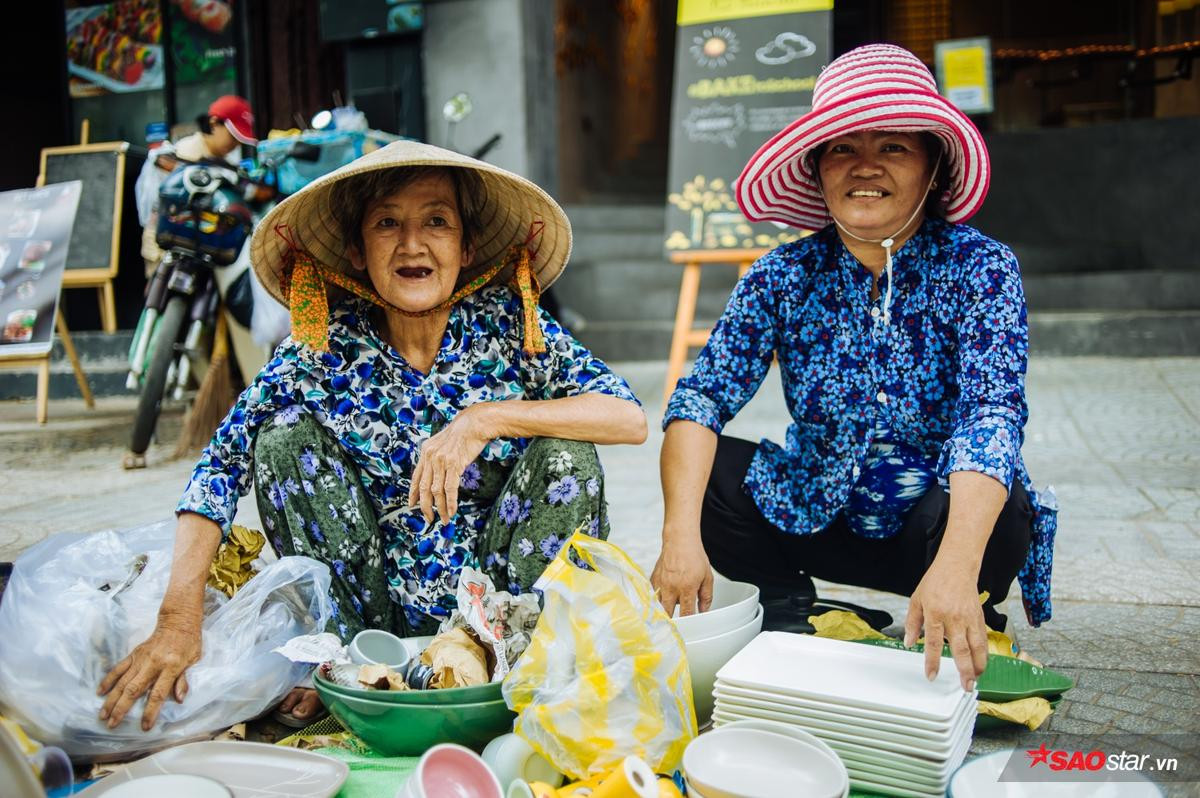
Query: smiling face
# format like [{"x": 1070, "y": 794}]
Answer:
[
  {"x": 873, "y": 180},
  {"x": 412, "y": 244}
]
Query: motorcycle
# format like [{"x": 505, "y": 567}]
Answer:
[{"x": 206, "y": 214}]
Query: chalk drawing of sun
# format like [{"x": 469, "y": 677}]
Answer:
[{"x": 715, "y": 47}]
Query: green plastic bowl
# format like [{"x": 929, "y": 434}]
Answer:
[
  {"x": 411, "y": 729},
  {"x": 477, "y": 694}
]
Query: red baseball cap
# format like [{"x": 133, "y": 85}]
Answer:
[{"x": 235, "y": 112}]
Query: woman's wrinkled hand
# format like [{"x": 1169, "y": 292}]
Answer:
[
  {"x": 442, "y": 461},
  {"x": 946, "y": 604},
  {"x": 683, "y": 577},
  {"x": 158, "y": 667}
]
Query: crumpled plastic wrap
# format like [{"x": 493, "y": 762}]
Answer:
[
  {"x": 501, "y": 621},
  {"x": 78, "y": 604}
]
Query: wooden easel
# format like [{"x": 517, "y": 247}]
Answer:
[
  {"x": 101, "y": 278},
  {"x": 686, "y": 334},
  {"x": 43, "y": 365}
]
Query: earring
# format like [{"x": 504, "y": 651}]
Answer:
[{"x": 933, "y": 185}]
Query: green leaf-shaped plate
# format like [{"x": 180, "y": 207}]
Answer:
[{"x": 1006, "y": 678}]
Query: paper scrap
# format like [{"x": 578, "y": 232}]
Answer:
[
  {"x": 231, "y": 568},
  {"x": 457, "y": 660},
  {"x": 314, "y": 649}
]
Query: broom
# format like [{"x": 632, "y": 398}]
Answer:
[{"x": 215, "y": 397}]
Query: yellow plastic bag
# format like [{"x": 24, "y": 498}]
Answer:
[{"x": 605, "y": 674}]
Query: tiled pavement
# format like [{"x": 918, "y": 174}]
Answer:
[{"x": 1118, "y": 439}]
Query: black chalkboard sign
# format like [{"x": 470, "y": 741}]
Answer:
[
  {"x": 101, "y": 170},
  {"x": 743, "y": 72}
]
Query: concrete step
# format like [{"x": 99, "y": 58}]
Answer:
[
  {"x": 591, "y": 245},
  {"x": 638, "y": 289},
  {"x": 105, "y": 361},
  {"x": 1124, "y": 290},
  {"x": 1081, "y": 333},
  {"x": 1116, "y": 333},
  {"x": 603, "y": 217}
]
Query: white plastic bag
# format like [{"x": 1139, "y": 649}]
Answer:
[{"x": 78, "y": 604}]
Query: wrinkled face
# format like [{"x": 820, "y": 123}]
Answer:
[
  {"x": 413, "y": 244},
  {"x": 873, "y": 180}
]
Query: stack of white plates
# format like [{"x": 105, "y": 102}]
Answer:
[{"x": 897, "y": 732}]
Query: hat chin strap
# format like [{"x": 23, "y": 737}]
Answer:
[{"x": 890, "y": 241}]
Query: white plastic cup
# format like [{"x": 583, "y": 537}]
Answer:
[{"x": 510, "y": 757}]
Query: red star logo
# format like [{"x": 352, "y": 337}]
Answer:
[{"x": 1037, "y": 755}]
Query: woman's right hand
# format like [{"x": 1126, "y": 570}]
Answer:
[
  {"x": 682, "y": 576},
  {"x": 158, "y": 666}
]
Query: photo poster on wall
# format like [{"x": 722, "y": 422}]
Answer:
[
  {"x": 35, "y": 230},
  {"x": 203, "y": 44},
  {"x": 114, "y": 47},
  {"x": 743, "y": 72}
]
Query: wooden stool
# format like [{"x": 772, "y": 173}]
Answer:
[{"x": 686, "y": 335}]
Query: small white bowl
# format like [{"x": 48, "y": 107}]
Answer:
[
  {"x": 707, "y": 656},
  {"x": 751, "y": 763},
  {"x": 733, "y": 605},
  {"x": 795, "y": 732}
]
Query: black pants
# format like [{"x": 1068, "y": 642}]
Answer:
[{"x": 745, "y": 546}]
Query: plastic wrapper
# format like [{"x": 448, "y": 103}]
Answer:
[
  {"x": 76, "y": 605},
  {"x": 501, "y": 621},
  {"x": 605, "y": 675}
]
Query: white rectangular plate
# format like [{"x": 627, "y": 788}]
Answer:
[
  {"x": 837, "y": 671},
  {"x": 883, "y": 752},
  {"x": 249, "y": 770},
  {"x": 938, "y": 748},
  {"x": 895, "y": 724}
]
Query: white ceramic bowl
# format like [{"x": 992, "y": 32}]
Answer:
[
  {"x": 706, "y": 656},
  {"x": 795, "y": 732},
  {"x": 980, "y": 778},
  {"x": 733, "y": 604},
  {"x": 752, "y": 763}
]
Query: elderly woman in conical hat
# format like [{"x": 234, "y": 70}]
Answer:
[
  {"x": 424, "y": 416},
  {"x": 902, "y": 342}
]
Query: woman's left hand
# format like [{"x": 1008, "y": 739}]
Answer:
[
  {"x": 946, "y": 604},
  {"x": 444, "y": 458}
]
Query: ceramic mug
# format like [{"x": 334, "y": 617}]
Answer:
[
  {"x": 450, "y": 769},
  {"x": 511, "y": 758},
  {"x": 377, "y": 647}
]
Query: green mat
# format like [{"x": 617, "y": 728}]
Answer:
[{"x": 371, "y": 775}]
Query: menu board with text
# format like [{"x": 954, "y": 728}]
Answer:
[{"x": 743, "y": 72}]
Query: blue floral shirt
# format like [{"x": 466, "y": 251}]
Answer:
[
  {"x": 381, "y": 410},
  {"x": 945, "y": 376}
]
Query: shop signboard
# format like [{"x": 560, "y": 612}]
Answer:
[
  {"x": 964, "y": 73},
  {"x": 743, "y": 72},
  {"x": 35, "y": 230}
]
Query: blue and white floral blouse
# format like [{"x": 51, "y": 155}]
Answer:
[
  {"x": 381, "y": 410},
  {"x": 945, "y": 377}
]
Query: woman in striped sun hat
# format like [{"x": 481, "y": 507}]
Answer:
[{"x": 902, "y": 340}]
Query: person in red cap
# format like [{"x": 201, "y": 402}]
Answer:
[{"x": 226, "y": 125}]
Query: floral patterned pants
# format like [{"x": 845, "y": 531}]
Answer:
[{"x": 554, "y": 488}]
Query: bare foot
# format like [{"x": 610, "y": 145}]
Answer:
[{"x": 302, "y": 703}]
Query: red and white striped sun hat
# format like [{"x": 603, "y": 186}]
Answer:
[{"x": 875, "y": 87}]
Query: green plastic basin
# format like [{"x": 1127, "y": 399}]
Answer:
[{"x": 395, "y": 729}]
